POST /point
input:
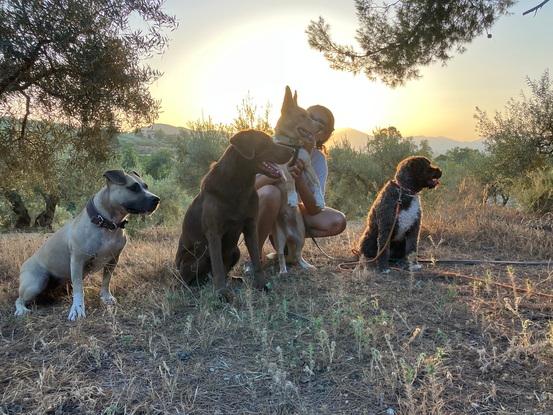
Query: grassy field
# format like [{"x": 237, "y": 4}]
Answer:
[{"x": 329, "y": 342}]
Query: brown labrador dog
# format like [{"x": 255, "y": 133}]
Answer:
[{"x": 226, "y": 207}]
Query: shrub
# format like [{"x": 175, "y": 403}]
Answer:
[
  {"x": 534, "y": 193},
  {"x": 173, "y": 204},
  {"x": 196, "y": 150}
]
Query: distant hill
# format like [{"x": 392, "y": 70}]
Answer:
[
  {"x": 157, "y": 136},
  {"x": 150, "y": 139},
  {"x": 357, "y": 139},
  {"x": 164, "y": 128},
  {"x": 439, "y": 145}
]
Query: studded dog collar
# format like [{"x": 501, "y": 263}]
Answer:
[{"x": 97, "y": 219}]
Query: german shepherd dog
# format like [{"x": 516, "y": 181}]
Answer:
[{"x": 295, "y": 128}]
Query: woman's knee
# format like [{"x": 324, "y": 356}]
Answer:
[{"x": 338, "y": 223}]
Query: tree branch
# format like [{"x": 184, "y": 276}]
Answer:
[
  {"x": 24, "y": 121},
  {"x": 6, "y": 82},
  {"x": 535, "y": 8}
]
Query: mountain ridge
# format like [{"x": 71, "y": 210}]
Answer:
[
  {"x": 148, "y": 136},
  {"x": 439, "y": 144}
]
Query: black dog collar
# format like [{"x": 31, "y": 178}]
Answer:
[
  {"x": 97, "y": 219},
  {"x": 403, "y": 189}
]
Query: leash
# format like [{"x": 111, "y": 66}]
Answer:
[
  {"x": 346, "y": 266},
  {"x": 318, "y": 246},
  {"x": 485, "y": 262},
  {"x": 470, "y": 262},
  {"x": 446, "y": 274},
  {"x": 355, "y": 251}
]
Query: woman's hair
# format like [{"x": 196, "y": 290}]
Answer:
[{"x": 328, "y": 124}]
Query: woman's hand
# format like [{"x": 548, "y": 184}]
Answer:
[
  {"x": 262, "y": 180},
  {"x": 297, "y": 169}
]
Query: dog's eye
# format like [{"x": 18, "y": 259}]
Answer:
[
  {"x": 135, "y": 187},
  {"x": 145, "y": 186}
]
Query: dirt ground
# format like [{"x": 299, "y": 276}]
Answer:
[{"x": 327, "y": 342}]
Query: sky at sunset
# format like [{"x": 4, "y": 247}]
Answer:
[{"x": 224, "y": 50}]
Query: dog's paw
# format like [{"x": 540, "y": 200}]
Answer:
[
  {"x": 20, "y": 309},
  {"x": 260, "y": 283},
  {"x": 415, "y": 267},
  {"x": 108, "y": 299},
  {"x": 283, "y": 272},
  {"x": 293, "y": 199},
  {"x": 77, "y": 311},
  {"x": 283, "y": 269},
  {"x": 225, "y": 294}
]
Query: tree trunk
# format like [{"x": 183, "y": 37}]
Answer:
[
  {"x": 46, "y": 217},
  {"x": 22, "y": 218}
]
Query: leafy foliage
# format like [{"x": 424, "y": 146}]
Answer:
[
  {"x": 387, "y": 148},
  {"x": 398, "y": 38},
  {"x": 205, "y": 141},
  {"x": 159, "y": 164},
  {"x": 351, "y": 179},
  {"x": 128, "y": 157},
  {"x": 355, "y": 176},
  {"x": 250, "y": 116},
  {"x": 198, "y": 148},
  {"x": 520, "y": 139},
  {"x": 535, "y": 192},
  {"x": 67, "y": 85},
  {"x": 81, "y": 59}
]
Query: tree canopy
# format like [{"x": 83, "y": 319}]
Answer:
[
  {"x": 81, "y": 60},
  {"x": 397, "y": 38},
  {"x": 519, "y": 139},
  {"x": 72, "y": 73}
]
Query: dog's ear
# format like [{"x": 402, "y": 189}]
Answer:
[
  {"x": 288, "y": 101},
  {"x": 296, "y": 97},
  {"x": 244, "y": 144},
  {"x": 116, "y": 176}
]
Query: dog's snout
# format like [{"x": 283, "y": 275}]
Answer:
[{"x": 155, "y": 200}]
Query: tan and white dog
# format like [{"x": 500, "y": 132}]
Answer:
[
  {"x": 91, "y": 241},
  {"x": 295, "y": 128}
]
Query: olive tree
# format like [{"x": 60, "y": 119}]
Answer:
[{"x": 78, "y": 64}]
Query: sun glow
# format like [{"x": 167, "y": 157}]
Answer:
[
  {"x": 223, "y": 52},
  {"x": 259, "y": 59}
]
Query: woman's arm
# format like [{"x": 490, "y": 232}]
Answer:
[
  {"x": 308, "y": 199},
  {"x": 306, "y": 196}
]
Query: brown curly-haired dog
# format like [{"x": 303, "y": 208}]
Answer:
[{"x": 413, "y": 174}]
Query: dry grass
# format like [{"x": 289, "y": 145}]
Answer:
[{"x": 323, "y": 343}]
